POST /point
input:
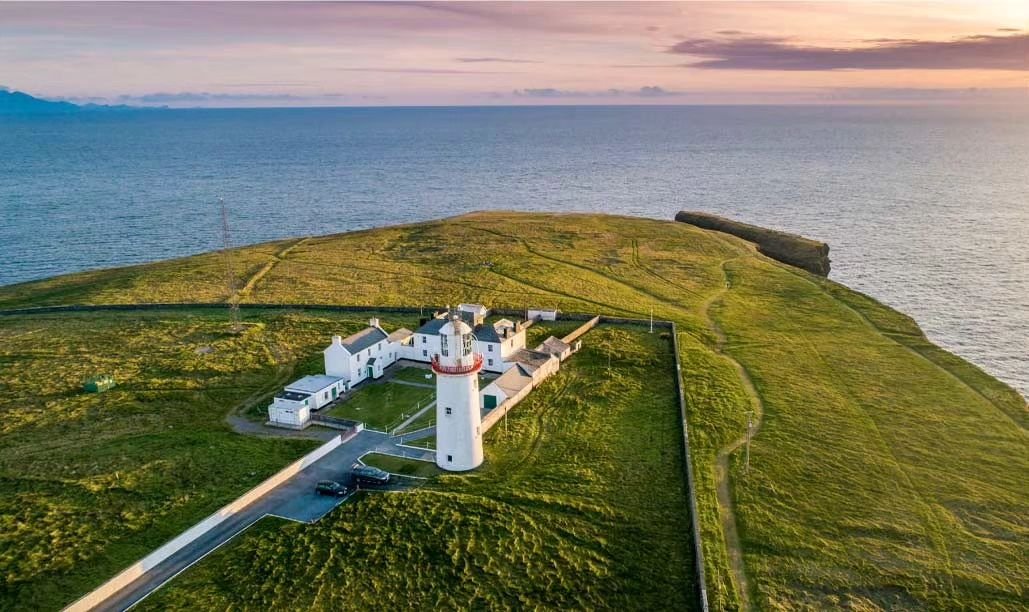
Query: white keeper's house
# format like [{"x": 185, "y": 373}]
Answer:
[
  {"x": 496, "y": 341},
  {"x": 367, "y": 353}
]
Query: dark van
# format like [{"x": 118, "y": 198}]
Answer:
[{"x": 368, "y": 475}]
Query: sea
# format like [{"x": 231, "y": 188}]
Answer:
[{"x": 926, "y": 209}]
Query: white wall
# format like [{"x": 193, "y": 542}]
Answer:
[
  {"x": 543, "y": 315},
  {"x": 425, "y": 346},
  {"x": 293, "y": 414},
  {"x": 337, "y": 360},
  {"x": 458, "y": 434}
]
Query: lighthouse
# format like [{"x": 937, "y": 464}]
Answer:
[{"x": 458, "y": 415}]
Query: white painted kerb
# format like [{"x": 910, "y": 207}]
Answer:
[{"x": 147, "y": 563}]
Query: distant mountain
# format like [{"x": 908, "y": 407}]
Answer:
[{"x": 18, "y": 103}]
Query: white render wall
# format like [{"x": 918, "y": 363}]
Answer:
[
  {"x": 424, "y": 347},
  {"x": 354, "y": 367},
  {"x": 458, "y": 434},
  {"x": 543, "y": 315},
  {"x": 289, "y": 414}
]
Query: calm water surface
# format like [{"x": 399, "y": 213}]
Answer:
[{"x": 927, "y": 210}]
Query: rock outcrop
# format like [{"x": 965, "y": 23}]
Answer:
[{"x": 804, "y": 253}]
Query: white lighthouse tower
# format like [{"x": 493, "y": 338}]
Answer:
[{"x": 458, "y": 415}]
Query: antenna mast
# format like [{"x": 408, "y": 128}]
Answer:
[{"x": 230, "y": 269}]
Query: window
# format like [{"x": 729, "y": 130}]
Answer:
[
  {"x": 443, "y": 345},
  {"x": 467, "y": 342},
  {"x": 449, "y": 410},
  {"x": 425, "y": 353},
  {"x": 489, "y": 361},
  {"x": 489, "y": 347},
  {"x": 450, "y": 458},
  {"x": 359, "y": 357},
  {"x": 325, "y": 395},
  {"x": 423, "y": 340}
]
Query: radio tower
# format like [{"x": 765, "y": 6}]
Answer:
[{"x": 230, "y": 269}]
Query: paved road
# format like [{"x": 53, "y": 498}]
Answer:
[{"x": 294, "y": 499}]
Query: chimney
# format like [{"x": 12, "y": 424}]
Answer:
[{"x": 337, "y": 340}]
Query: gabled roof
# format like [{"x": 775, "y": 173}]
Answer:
[
  {"x": 553, "y": 346},
  {"x": 487, "y": 333},
  {"x": 432, "y": 326},
  {"x": 363, "y": 339},
  {"x": 401, "y": 334},
  {"x": 531, "y": 360},
  {"x": 513, "y": 380},
  {"x": 478, "y": 309}
]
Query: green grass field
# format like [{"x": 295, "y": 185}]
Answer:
[
  {"x": 579, "y": 506},
  {"x": 415, "y": 375},
  {"x": 401, "y": 465},
  {"x": 886, "y": 473},
  {"x": 89, "y": 483},
  {"x": 383, "y": 405}
]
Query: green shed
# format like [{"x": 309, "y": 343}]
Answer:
[{"x": 98, "y": 384}]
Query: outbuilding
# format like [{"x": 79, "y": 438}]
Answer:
[
  {"x": 541, "y": 315},
  {"x": 290, "y": 409},
  {"x": 510, "y": 386},
  {"x": 321, "y": 388}
]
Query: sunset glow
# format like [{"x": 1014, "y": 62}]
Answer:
[{"x": 296, "y": 54}]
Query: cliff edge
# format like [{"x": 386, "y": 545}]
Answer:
[{"x": 804, "y": 253}]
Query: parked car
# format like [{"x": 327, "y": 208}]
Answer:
[
  {"x": 331, "y": 487},
  {"x": 368, "y": 475}
]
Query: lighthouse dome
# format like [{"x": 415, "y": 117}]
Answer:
[{"x": 455, "y": 327}]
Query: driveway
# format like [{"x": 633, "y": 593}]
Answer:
[{"x": 294, "y": 499}]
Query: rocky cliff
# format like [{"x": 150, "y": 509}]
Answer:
[{"x": 804, "y": 253}]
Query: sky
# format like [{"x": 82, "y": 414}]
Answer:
[{"x": 476, "y": 53}]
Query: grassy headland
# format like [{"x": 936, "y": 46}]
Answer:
[{"x": 885, "y": 473}]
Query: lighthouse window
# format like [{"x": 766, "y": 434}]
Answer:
[
  {"x": 450, "y": 458},
  {"x": 467, "y": 340},
  {"x": 449, "y": 409},
  {"x": 443, "y": 345}
]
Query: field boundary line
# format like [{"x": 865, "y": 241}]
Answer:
[{"x": 691, "y": 488}]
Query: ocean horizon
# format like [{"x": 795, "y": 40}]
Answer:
[{"x": 923, "y": 208}]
